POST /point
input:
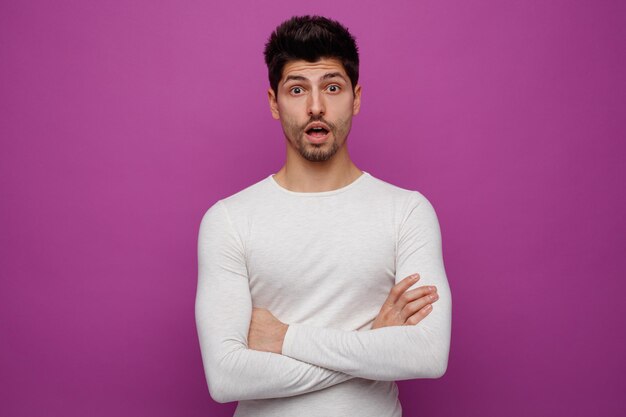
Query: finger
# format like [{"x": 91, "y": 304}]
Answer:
[
  {"x": 398, "y": 289},
  {"x": 419, "y": 316},
  {"x": 415, "y": 293},
  {"x": 415, "y": 306}
]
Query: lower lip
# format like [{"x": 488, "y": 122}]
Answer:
[{"x": 317, "y": 139}]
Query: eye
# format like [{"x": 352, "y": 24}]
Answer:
[
  {"x": 334, "y": 88},
  {"x": 296, "y": 90}
]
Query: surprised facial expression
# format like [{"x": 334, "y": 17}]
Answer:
[{"x": 315, "y": 104}]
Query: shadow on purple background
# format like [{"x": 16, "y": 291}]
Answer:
[{"x": 122, "y": 122}]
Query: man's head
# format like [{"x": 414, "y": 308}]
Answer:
[
  {"x": 313, "y": 67},
  {"x": 310, "y": 38}
]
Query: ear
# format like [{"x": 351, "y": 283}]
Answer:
[
  {"x": 356, "y": 106},
  {"x": 273, "y": 104}
]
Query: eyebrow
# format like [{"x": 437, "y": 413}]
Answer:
[
  {"x": 333, "y": 75},
  {"x": 324, "y": 77}
]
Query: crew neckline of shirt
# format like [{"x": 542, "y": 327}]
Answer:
[{"x": 318, "y": 193}]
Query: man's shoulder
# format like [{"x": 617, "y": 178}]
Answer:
[
  {"x": 242, "y": 199},
  {"x": 249, "y": 194},
  {"x": 409, "y": 195}
]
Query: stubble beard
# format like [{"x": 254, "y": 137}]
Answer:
[{"x": 317, "y": 152}]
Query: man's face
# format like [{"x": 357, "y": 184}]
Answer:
[{"x": 315, "y": 104}]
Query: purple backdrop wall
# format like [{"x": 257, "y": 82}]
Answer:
[{"x": 123, "y": 121}]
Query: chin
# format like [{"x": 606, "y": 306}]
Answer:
[{"x": 319, "y": 153}]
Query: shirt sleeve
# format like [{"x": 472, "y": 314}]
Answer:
[
  {"x": 223, "y": 309},
  {"x": 395, "y": 352}
]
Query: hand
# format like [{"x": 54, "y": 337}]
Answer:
[
  {"x": 405, "y": 308},
  {"x": 266, "y": 333}
]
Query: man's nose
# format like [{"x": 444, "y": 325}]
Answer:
[{"x": 316, "y": 104}]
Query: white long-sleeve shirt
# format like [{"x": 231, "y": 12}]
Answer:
[{"x": 324, "y": 263}]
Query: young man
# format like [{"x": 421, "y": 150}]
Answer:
[{"x": 307, "y": 303}]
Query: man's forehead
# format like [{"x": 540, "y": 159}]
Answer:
[{"x": 313, "y": 70}]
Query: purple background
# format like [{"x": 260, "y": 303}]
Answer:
[{"x": 123, "y": 121}]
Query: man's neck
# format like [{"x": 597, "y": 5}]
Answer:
[{"x": 300, "y": 175}]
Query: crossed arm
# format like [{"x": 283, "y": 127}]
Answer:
[
  {"x": 401, "y": 308},
  {"x": 314, "y": 358}
]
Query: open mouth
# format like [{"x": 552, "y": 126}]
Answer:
[{"x": 317, "y": 132}]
